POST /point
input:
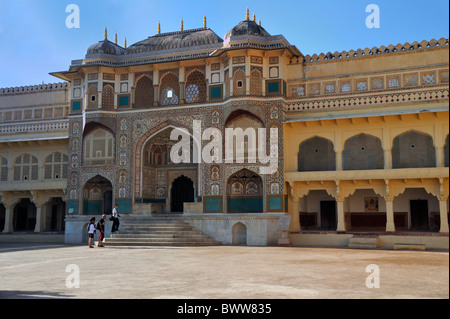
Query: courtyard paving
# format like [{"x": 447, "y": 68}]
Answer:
[{"x": 33, "y": 271}]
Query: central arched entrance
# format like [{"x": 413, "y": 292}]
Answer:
[
  {"x": 182, "y": 192},
  {"x": 98, "y": 196}
]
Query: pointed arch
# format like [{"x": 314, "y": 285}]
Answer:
[{"x": 144, "y": 92}]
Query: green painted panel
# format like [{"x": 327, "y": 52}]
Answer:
[
  {"x": 212, "y": 205},
  {"x": 93, "y": 207},
  {"x": 124, "y": 101},
  {"x": 275, "y": 203},
  {"x": 72, "y": 207},
  {"x": 216, "y": 92},
  {"x": 244, "y": 204},
  {"x": 76, "y": 106},
  {"x": 124, "y": 206},
  {"x": 273, "y": 87}
]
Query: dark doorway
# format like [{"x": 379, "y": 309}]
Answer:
[
  {"x": 328, "y": 215},
  {"x": 419, "y": 215},
  {"x": 58, "y": 208},
  {"x": 24, "y": 216},
  {"x": 108, "y": 202},
  {"x": 182, "y": 192},
  {"x": 2, "y": 217}
]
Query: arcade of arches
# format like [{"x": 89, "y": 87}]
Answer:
[{"x": 380, "y": 179}]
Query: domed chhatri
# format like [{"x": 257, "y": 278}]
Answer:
[
  {"x": 105, "y": 47},
  {"x": 176, "y": 40},
  {"x": 247, "y": 27}
]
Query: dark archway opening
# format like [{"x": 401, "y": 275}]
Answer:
[
  {"x": 24, "y": 219},
  {"x": 182, "y": 192}
]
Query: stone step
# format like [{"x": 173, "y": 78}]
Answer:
[
  {"x": 363, "y": 243},
  {"x": 161, "y": 243},
  {"x": 159, "y": 235},
  {"x": 158, "y": 231},
  {"x": 157, "y": 240}
]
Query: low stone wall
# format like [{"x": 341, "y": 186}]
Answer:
[
  {"x": 385, "y": 240},
  {"x": 32, "y": 238},
  {"x": 262, "y": 229}
]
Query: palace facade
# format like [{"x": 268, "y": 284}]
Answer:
[{"x": 363, "y": 143}]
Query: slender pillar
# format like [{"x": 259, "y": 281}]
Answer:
[
  {"x": 440, "y": 157},
  {"x": 390, "y": 224},
  {"x": 341, "y": 216},
  {"x": 444, "y": 217},
  {"x": 295, "y": 213},
  {"x": 339, "y": 161},
  {"x": 387, "y": 159},
  {"x": 9, "y": 211},
  {"x": 39, "y": 227}
]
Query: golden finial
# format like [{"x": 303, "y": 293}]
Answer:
[
  {"x": 159, "y": 27},
  {"x": 125, "y": 43},
  {"x": 106, "y": 33},
  {"x": 204, "y": 22},
  {"x": 182, "y": 25},
  {"x": 259, "y": 22},
  {"x": 248, "y": 15},
  {"x": 115, "y": 40},
  {"x": 254, "y": 17}
]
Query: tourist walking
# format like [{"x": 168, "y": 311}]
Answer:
[
  {"x": 101, "y": 229},
  {"x": 91, "y": 231},
  {"x": 115, "y": 216}
]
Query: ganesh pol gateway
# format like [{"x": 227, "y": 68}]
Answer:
[{"x": 361, "y": 158}]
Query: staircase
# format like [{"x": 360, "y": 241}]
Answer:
[{"x": 158, "y": 231}]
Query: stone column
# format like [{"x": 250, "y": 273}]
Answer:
[
  {"x": 440, "y": 157},
  {"x": 156, "y": 95},
  {"x": 39, "y": 200},
  {"x": 339, "y": 161},
  {"x": 9, "y": 202},
  {"x": 341, "y": 216},
  {"x": 390, "y": 224},
  {"x": 295, "y": 213},
  {"x": 387, "y": 158},
  {"x": 444, "y": 216},
  {"x": 182, "y": 93}
]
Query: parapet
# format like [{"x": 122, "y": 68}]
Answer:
[
  {"x": 34, "y": 88},
  {"x": 336, "y": 56}
]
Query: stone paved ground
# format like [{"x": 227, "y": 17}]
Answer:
[{"x": 39, "y": 271}]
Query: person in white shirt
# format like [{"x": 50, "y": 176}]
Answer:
[
  {"x": 91, "y": 231},
  {"x": 116, "y": 222}
]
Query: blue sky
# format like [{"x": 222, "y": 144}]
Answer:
[{"x": 34, "y": 39}]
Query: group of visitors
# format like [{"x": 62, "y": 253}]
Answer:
[{"x": 100, "y": 226}]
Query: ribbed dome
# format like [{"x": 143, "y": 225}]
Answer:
[
  {"x": 174, "y": 40},
  {"x": 247, "y": 27},
  {"x": 105, "y": 47}
]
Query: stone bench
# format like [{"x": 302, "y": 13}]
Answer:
[{"x": 400, "y": 246}]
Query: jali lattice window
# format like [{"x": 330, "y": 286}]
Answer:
[
  {"x": 170, "y": 89},
  {"x": 56, "y": 166},
  {"x": 26, "y": 168},
  {"x": 256, "y": 82},
  {"x": 144, "y": 93},
  {"x": 394, "y": 82},
  {"x": 108, "y": 97},
  {"x": 196, "y": 87},
  {"x": 361, "y": 86},
  {"x": 428, "y": 79},
  {"x": 298, "y": 91},
  {"x": 3, "y": 169},
  {"x": 346, "y": 87}
]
